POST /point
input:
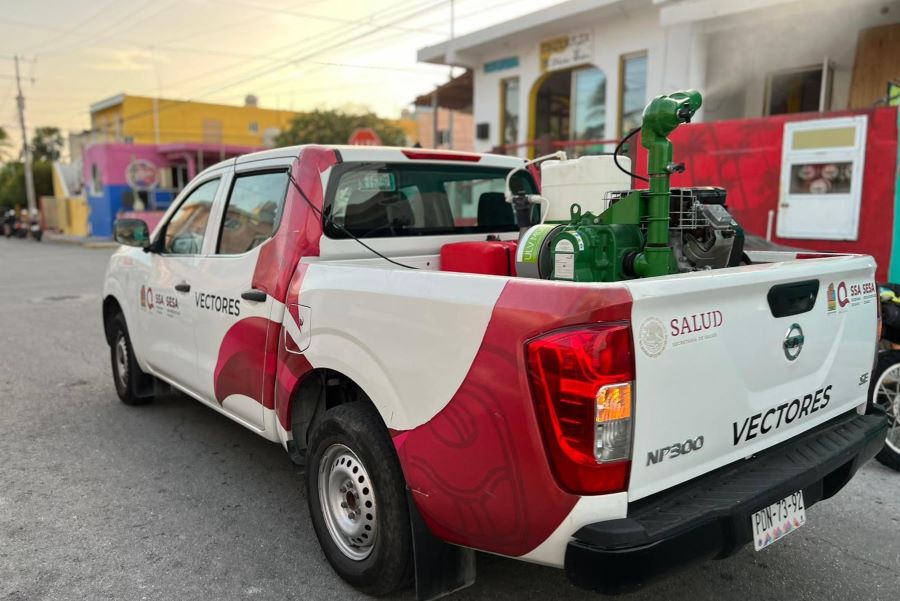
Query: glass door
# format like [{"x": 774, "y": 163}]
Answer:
[{"x": 588, "y": 120}]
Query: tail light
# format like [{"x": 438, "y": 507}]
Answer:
[
  {"x": 441, "y": 155},
  {"x": 581, "y": 379}
]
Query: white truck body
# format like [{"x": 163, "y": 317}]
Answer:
[{"x": 442, "y": 356}]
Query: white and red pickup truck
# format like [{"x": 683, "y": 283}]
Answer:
[{"x": 616, "y": 430}]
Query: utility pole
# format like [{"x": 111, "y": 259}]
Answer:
[{"x": 26, "y": 149}]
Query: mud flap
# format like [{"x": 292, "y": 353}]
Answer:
[{"x": 440, "y": 568}]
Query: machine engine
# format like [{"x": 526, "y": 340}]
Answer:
[
  {"x": 638, "y": 233},
  {"x": 702, "y": 234}
]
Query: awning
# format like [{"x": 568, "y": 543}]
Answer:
[{"x": 455, "y": 95}]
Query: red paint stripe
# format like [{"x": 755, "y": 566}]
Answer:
[{"x": 478, "y": 469}]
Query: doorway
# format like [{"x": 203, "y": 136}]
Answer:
[{"x": 570, "y": 106}]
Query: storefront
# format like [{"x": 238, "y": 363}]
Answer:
[
  {"x": 577, "y": 76},
  {"x": 142, "y": 177}
]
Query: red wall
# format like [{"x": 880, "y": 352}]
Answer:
[{"x": 744, "y": 156}]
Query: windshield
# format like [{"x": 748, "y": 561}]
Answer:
[{"x": 379, "y": 200}]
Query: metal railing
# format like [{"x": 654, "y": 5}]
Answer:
[{"x": 546, "y": 145}]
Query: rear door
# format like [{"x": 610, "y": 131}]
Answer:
[
  {"x": 166, "y": 314},
  {"x": 722, "y": 375},
  {"x": 232, "y": 322}
]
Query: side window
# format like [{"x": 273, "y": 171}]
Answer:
[
  {"x": 184, "y": 232},
  {"x": 253, "y": 211}
]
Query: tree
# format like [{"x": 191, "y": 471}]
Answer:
[
  {"x": 335, "y": 127},
  {"x": 12, "y": 183},
  {"x": 4, "y": 144},
  {"x": 46, "y": 144}
]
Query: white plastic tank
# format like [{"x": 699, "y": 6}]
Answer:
[{"x": 584, "y": 181}]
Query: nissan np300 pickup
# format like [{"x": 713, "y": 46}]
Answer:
[{"x": 361, "y": 307}]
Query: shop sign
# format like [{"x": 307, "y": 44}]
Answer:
[
  {"x": 141, "y": 175},
  {"x": 567, "y": 51},
  {"x": 501, "y": 64}
]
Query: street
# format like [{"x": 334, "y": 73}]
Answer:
[{"x": 171, "y": 500}]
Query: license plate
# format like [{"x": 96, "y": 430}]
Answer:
[{"x": 774, "y": 522}]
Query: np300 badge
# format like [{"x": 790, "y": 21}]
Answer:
[{"x": 793, "y": 342}]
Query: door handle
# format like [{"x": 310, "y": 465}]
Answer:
[
  {"x": 183, "y": 287},
  {"x": 257, "y": 296}
]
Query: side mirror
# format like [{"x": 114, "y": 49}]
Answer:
[{"x": 132, "y": 232}]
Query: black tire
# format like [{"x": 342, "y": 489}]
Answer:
[
  {"x": 126, "y": 381},
  {"x": 887, "y": 359},
  {"x": 358, "y": 427}
]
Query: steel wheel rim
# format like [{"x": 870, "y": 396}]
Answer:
[
  {"x": 347, "y": 500},
  {"x": 887, "y": 394},
  {"x": 122, "y": 360}
]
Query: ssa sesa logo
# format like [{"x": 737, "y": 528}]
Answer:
[{"x": 839, "y": 295}]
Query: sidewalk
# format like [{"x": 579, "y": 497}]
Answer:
[{"x": 85, "y": 241}]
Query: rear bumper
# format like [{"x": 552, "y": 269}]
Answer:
[{"x": 709, "y": 517}]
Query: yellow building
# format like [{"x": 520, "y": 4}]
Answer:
[{"x": 145, "y": 120}]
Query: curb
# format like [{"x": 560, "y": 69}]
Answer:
[{"x": 83, "y": 242}]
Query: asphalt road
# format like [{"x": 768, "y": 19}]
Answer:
[{"x": 173, "y": 501}]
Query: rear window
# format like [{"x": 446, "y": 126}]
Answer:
[{"x": 382, "y": 200}]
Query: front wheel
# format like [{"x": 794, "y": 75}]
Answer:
[
  {"x": 357, "y": 499},
  {"x": 885, "y": 393}
]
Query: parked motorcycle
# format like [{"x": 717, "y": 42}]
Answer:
[
  {"x": 20, "y": 225},
  {"x": 9, "y": 223},
  {"x": 884, "y": 389},
  {"x": 34, "y": 226}
]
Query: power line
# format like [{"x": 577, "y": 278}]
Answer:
[
  {"x": 368, "y": 20},
  {"x": 375, "y": 34},
  {"x": 309, "y": 42},
  {"x": 281, "y": 65},
  {"x": 379, "y": 40},
  {"x": 317, "y": 17},
  {"x": 77, "y": 25},
  {"x": 304, "y": 57},
  {"x": 274, "y": 59},
  {"x": 111, "y": 29},
  {"x": 100, "y": 36}
]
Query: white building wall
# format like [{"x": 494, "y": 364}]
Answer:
[
  {"x": 727, "y": 57},
  {"x": 486, "y": 104},
  {"x": 742, "y": 52},
  {"x": 630, "y": 31}
]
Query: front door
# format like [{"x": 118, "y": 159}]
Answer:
[
  {"x": 232, "y": 319},
  {"x": 167, "y": 315}
]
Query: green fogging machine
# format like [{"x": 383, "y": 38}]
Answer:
[{"x": 636, "y": 233}]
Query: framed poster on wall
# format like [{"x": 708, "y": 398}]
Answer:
[{"x": 821, "y": 178}]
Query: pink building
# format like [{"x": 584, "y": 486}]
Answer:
[{"x": 126, "y": 177}]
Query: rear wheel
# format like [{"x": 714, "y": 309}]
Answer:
[
  {"x": 357, "y": 499},
  {"x": 886, "y": 394},
  {"x": 125, "y": 369}
]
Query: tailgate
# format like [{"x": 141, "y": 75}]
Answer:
[{"x": 719, "y": 377}]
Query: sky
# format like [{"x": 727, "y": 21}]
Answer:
[{"x": 292, "y": 54}]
